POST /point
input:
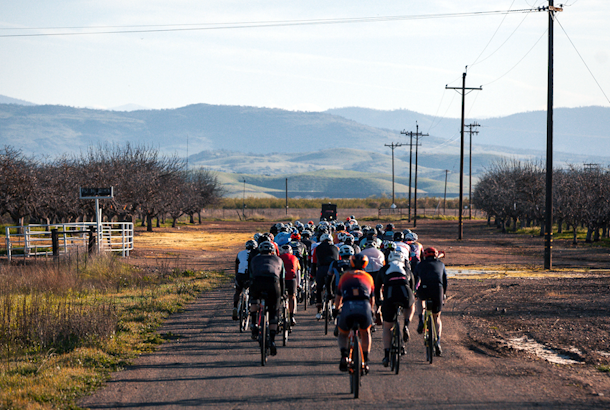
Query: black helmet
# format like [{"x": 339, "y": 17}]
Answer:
[
  {"x": 266, "y": 247},
  {"x": 399, "y": 236},
  {"x": 251, "y": 244},
  {"x": 359, "y": 261}
]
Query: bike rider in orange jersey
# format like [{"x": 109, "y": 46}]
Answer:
[
  {"x": 356, "y": 297},
  {"x": 293, "y": 268}
]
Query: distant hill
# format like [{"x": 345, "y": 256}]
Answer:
[
  {"x": 584, "y": 130},
  {"x": 335, "y": 184},
  {"x": 8, "y": 100}
]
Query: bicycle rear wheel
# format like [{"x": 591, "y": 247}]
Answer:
[
  {"x": 357, "y": 367},
  {"x": 285, "y": 324},
  {"x": 431, "y": 341},
  {"x": 397, "y": 347},
  {"x": 262, "y": 333},
  {"x": 305, "y": 290}
]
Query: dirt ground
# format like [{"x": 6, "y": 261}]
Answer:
[{"x": 566, "y": 310}]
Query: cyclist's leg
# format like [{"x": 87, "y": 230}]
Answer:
[
  {"x": 388, "y": 312},
  {"x": 320, "y": 281}
]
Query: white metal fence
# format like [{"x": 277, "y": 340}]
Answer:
[{"x": 35, "y": 240}]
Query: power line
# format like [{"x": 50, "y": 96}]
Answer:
[
  {"x": 493, "y": 35},
  {"x": 582, "y": 59},
  {"x": 241, "y": 25}
]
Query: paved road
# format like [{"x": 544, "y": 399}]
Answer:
[{"x": 212, "y": 365}]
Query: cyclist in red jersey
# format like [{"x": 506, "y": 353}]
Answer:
[
  {"x": 292, "y": 267},
  {"x": 355, "y": 293}
]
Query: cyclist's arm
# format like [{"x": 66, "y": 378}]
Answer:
[
  {"x": 283, "y": 280},
  {"x": 444, "y": 280}
]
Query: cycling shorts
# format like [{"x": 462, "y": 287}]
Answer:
[
  {"x": 271, "y": 286},
  {"x": 241, "y": 281},
  {"x": 399, "y": 295},
  {"x": 355, "y": 311},
  {"x": 291, "y": 287},
  {"x": 435, "y": 294}
]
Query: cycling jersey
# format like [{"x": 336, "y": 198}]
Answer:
[
  {"x": 432, "y": 278},
  {"x": 291, "y": 265},
  {"x": 241, "y": 262},
  {"x": 376, "y": 259},
  {"x": 356, "y": 285}
]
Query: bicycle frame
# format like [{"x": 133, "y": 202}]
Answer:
[{"x": 355, "y": 363}]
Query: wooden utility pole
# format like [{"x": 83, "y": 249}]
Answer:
[
  {"x": 392, "y": 146},
  {"x": 470, "y": 131},
  {"x": 463, "y": 90},
  {"x": 415, "y": 134},
  {"x": 410, "y": 167},
  {"x": 445, "y": 197},
  {"x": 548, "y": 229}
]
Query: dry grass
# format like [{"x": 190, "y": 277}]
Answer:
[
  {"x": 190, "y": 240},
  {"x": 63, "y": 329}
]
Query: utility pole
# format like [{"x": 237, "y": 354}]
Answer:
[
  {"x": 415, "y": 134},
  {"x": 410, "y": 167},
  {"x": 548, "y": 231},
  {"x": 463, "y": 90},
  {"x": 392, "y": 146},
  {"x": 286, "y": 196},
  {"x": 470, "y": 131},
  {"x": 243, "y": 211},
  {"x": 445, "y": 197}
]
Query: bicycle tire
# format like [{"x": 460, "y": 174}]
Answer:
[
  {"x": 357, "y": 363},
  {"x": 262, "y": 333},
  {"x": 246, "y": 311},
  {"x": 240, "y": 313},
  {"x": 305, "y": 290},
  {"x": 397, "y": 348},
  {"x": 285, "y": 327},
  {"x": 431, "y": 341},
  {"x": 393, "y": 349}
]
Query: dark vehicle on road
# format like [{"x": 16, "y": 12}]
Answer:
[{"x": 329, "y": 212}]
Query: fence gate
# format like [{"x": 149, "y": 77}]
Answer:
[{"x": 35, "y": 240}]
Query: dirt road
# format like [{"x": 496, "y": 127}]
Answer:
[{"x": 208, "y": 363}]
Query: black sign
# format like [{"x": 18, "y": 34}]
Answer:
[{"x": 94, "y": 193}]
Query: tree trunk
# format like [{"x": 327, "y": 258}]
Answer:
[
  {"x": 191, "y": 218},
  {"x": 158, "y": 224},
  {"x": 488, "y": 220},
  {"x": 596, "y": 234},
  {"x": 174, "y": 222},
  {"x": 199, "y": 213},
  {"x": 560, "y": 226},
  {"x": 575, "y": 239},
  {"x": 542, "y": 226},
  {"x": 589, "y": 234},
  {"x": 149, "y": 223}
]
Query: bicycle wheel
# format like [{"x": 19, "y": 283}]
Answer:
[
  {"x": 240, "y": 312},
  {"x": 305, "y": 290},
  {"x": 357, "y": 364},
  {"x": 431, "y": 341},
  {"x": 262, "y": 333},
  {"x": 397, "y": 347},
  {"x": 393, "y": 349},
  {"x": 246, "y": 311},
  {"x": 285, "y": 325}
]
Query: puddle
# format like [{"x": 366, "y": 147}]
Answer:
[
  {"x": 605, "y": 354},
  {"x": 531, "y": 346},
  {"x": 457, "y": 272}
]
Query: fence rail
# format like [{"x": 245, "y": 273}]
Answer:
[{"x": 35, "y": 240}]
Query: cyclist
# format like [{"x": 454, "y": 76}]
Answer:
[
  {"x": 350, "y": 241},
  {"x": 241, "y": 273},
  {"x": 431, "y": 280},
  {"x": 355, "y": 294},
  {"x": 416, "y": 249},
  {"x": 267, "y": 274},
  {"x": 398, "y": 285},
  {"x": 322, "y": 257},
  {"x": 292, "y": 267}
]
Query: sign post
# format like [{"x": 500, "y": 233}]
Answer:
[{"x": 97, "y": 194}]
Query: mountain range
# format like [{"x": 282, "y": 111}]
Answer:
[{"x": 274, "y": 142}]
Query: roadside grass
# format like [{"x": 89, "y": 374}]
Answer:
[
  {"x": 568, "y": 235},
  {"x": 603, "y": 368},
  {"x": 518, "y": 271},
  {"x": 63, "y": 331}
]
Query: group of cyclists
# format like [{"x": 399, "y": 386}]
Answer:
[{"x": 371, "y": 271}]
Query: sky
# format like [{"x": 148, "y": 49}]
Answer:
[{"x": 388, "y": 64}]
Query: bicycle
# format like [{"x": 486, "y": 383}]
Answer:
[
  {"x": 305, "y": 289},
  {"x": 284, "y": 327},
  {"x": 430, "y": 335},
  {"x": 263, "y": 330},
  {"x": 327, "y": 303},
  {"x": 396, "y": 348},
  {"x": 244, "y": 310},
  {"x": 355, "y": 361}
]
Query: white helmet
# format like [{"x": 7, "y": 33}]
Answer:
[
  {"x": 285, "y": 249},
  {"x": 411, "y": 237},
  {"x": 396, "y": 256},
  {"x": 326, "y": 237},
  {"x": 346, "y": 250}
]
